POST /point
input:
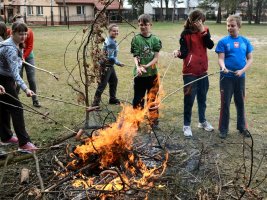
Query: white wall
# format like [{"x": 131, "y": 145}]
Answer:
[{"x": 148, "y": 9}]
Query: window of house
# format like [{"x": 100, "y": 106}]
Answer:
[
  {"x": 39, "y": 10},
  {"x": 80, "y": 10},
  {"x": 30, "y": 10}
]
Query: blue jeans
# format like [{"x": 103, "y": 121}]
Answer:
[
  {"x": 229, "y": 87},
  {"x": 200, "y": 89}
]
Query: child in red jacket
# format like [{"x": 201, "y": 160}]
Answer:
[
  {"x": 29, "y": 58},
  {"x": 194, "y": 41}
]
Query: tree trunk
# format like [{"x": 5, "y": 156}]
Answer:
[
  {"x": 219, "y": 15},
  {"x": 65, "y": 14},
  {"x": 167, "y": 9},
  {"x": 258, "y": 11},
  {"x": 250, "y": 9},
  {"x": 161, "y": 11},
  {"x": 173, "y": 11}
]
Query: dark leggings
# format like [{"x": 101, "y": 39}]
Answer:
[
  {"x": 150, "y": 86},
  {"x": 232, "y": 87},
  {"x": 108, "y": 77},
  {"x": 7, "y": 111}
]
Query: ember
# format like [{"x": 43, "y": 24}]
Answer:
[{"x": 114, "y": 165}]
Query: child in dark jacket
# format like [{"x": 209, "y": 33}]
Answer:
[{"x": 194, "y": 41}]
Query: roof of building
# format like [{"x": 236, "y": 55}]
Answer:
[{"x": 113, "y": 6}]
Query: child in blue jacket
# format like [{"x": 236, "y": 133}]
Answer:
[{"x": 235, "y": 57}]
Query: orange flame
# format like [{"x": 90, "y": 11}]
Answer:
[
  {"x": 111, "y": 142},
  {"x": 113, "y": 146}
]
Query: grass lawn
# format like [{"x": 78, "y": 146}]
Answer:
[{"x": 51, "y": 43}]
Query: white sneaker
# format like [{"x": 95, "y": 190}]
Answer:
[
  {"x": 206, "y": 126},
  {"x": 187, "y": 131}
]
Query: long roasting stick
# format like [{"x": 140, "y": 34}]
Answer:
[
  {"x": 88, "y": 109},
  {"x": 44, "y": 70}
]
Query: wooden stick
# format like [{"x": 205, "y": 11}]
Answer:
[
  {"x": 26, "y": 63},
  {"x": 38, "y": 172},
  {"x": 67, "y": 178},
  {"x": 59, "y": 163},
  {"x": 4, "y": 170},
  {"x": 88, "y": 109}
]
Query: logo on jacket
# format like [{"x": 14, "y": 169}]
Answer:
[
  {"x": 236, "y": 44},
  {"x": 146, "y": 53}
]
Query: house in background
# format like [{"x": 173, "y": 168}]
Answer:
[
  {"x": 181, "y": 8},
  {"x": 53, "y": 12}
]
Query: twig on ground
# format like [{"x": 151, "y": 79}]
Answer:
[
  {"x": 220, "y": 180},
  {"x": 4, "y": 170},
  {"x": 38, "y": 173}
]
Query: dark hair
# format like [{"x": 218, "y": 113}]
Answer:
[
  {"x": 145, "y": 18},
  {"x": 111, "y": 26},
  {"x": 14, "y": 19},
  {"x": 3, "y": 30},
  {"x": 19, "y": 27},
  {"x": 192, "y": 18}
]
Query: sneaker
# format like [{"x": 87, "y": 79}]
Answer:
[
  {"x": 245, "y": 133},
  {"x": 187, "y": 131},
  {"x": 223, "y": 135},
  {"x": 12, "y": 140},
  {"x": 36, "y": 103},
  {"x": 206, "y": 126},
  {"x": 114, "y": 101},
  {"x": 27, "y": 148}
]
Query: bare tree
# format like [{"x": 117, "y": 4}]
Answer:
[
  {"x": 173, "y": 11},
  {"x": 161, "y": 10},
  {"x": 250, "y": 10},
  {"x": 167, "y": 9},
  {"x": 258, "y": 11},
  {"x": 65, "y": 14},
  {"x": 219, "y": 14}
]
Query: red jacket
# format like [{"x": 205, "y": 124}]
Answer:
[
  {"x": 28, "y": 42},
  {"x": 194, "y": 52}
]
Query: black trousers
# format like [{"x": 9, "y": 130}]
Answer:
[
  {"x": 7, "y": 111},
  {"x": 150, "y": 86},
  {"x": 108, "y": 77},
  {"x": 228, "y": 88}
]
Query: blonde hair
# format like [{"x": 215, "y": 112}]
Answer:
[
  {"x": 235, "y": 18},
  {"x": 111, "y": 26}
]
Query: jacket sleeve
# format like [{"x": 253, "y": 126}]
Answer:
[
  {"x": 28, "y": 44},
  {"x": 207, "y": 39},
  {"x": 117, "y": 62},
  {"x": 15, "y": 63},
  {"x": 157, "y": 45},
  {"x": 183, "y": 47},
  {"x": 135, "y": 48}
]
